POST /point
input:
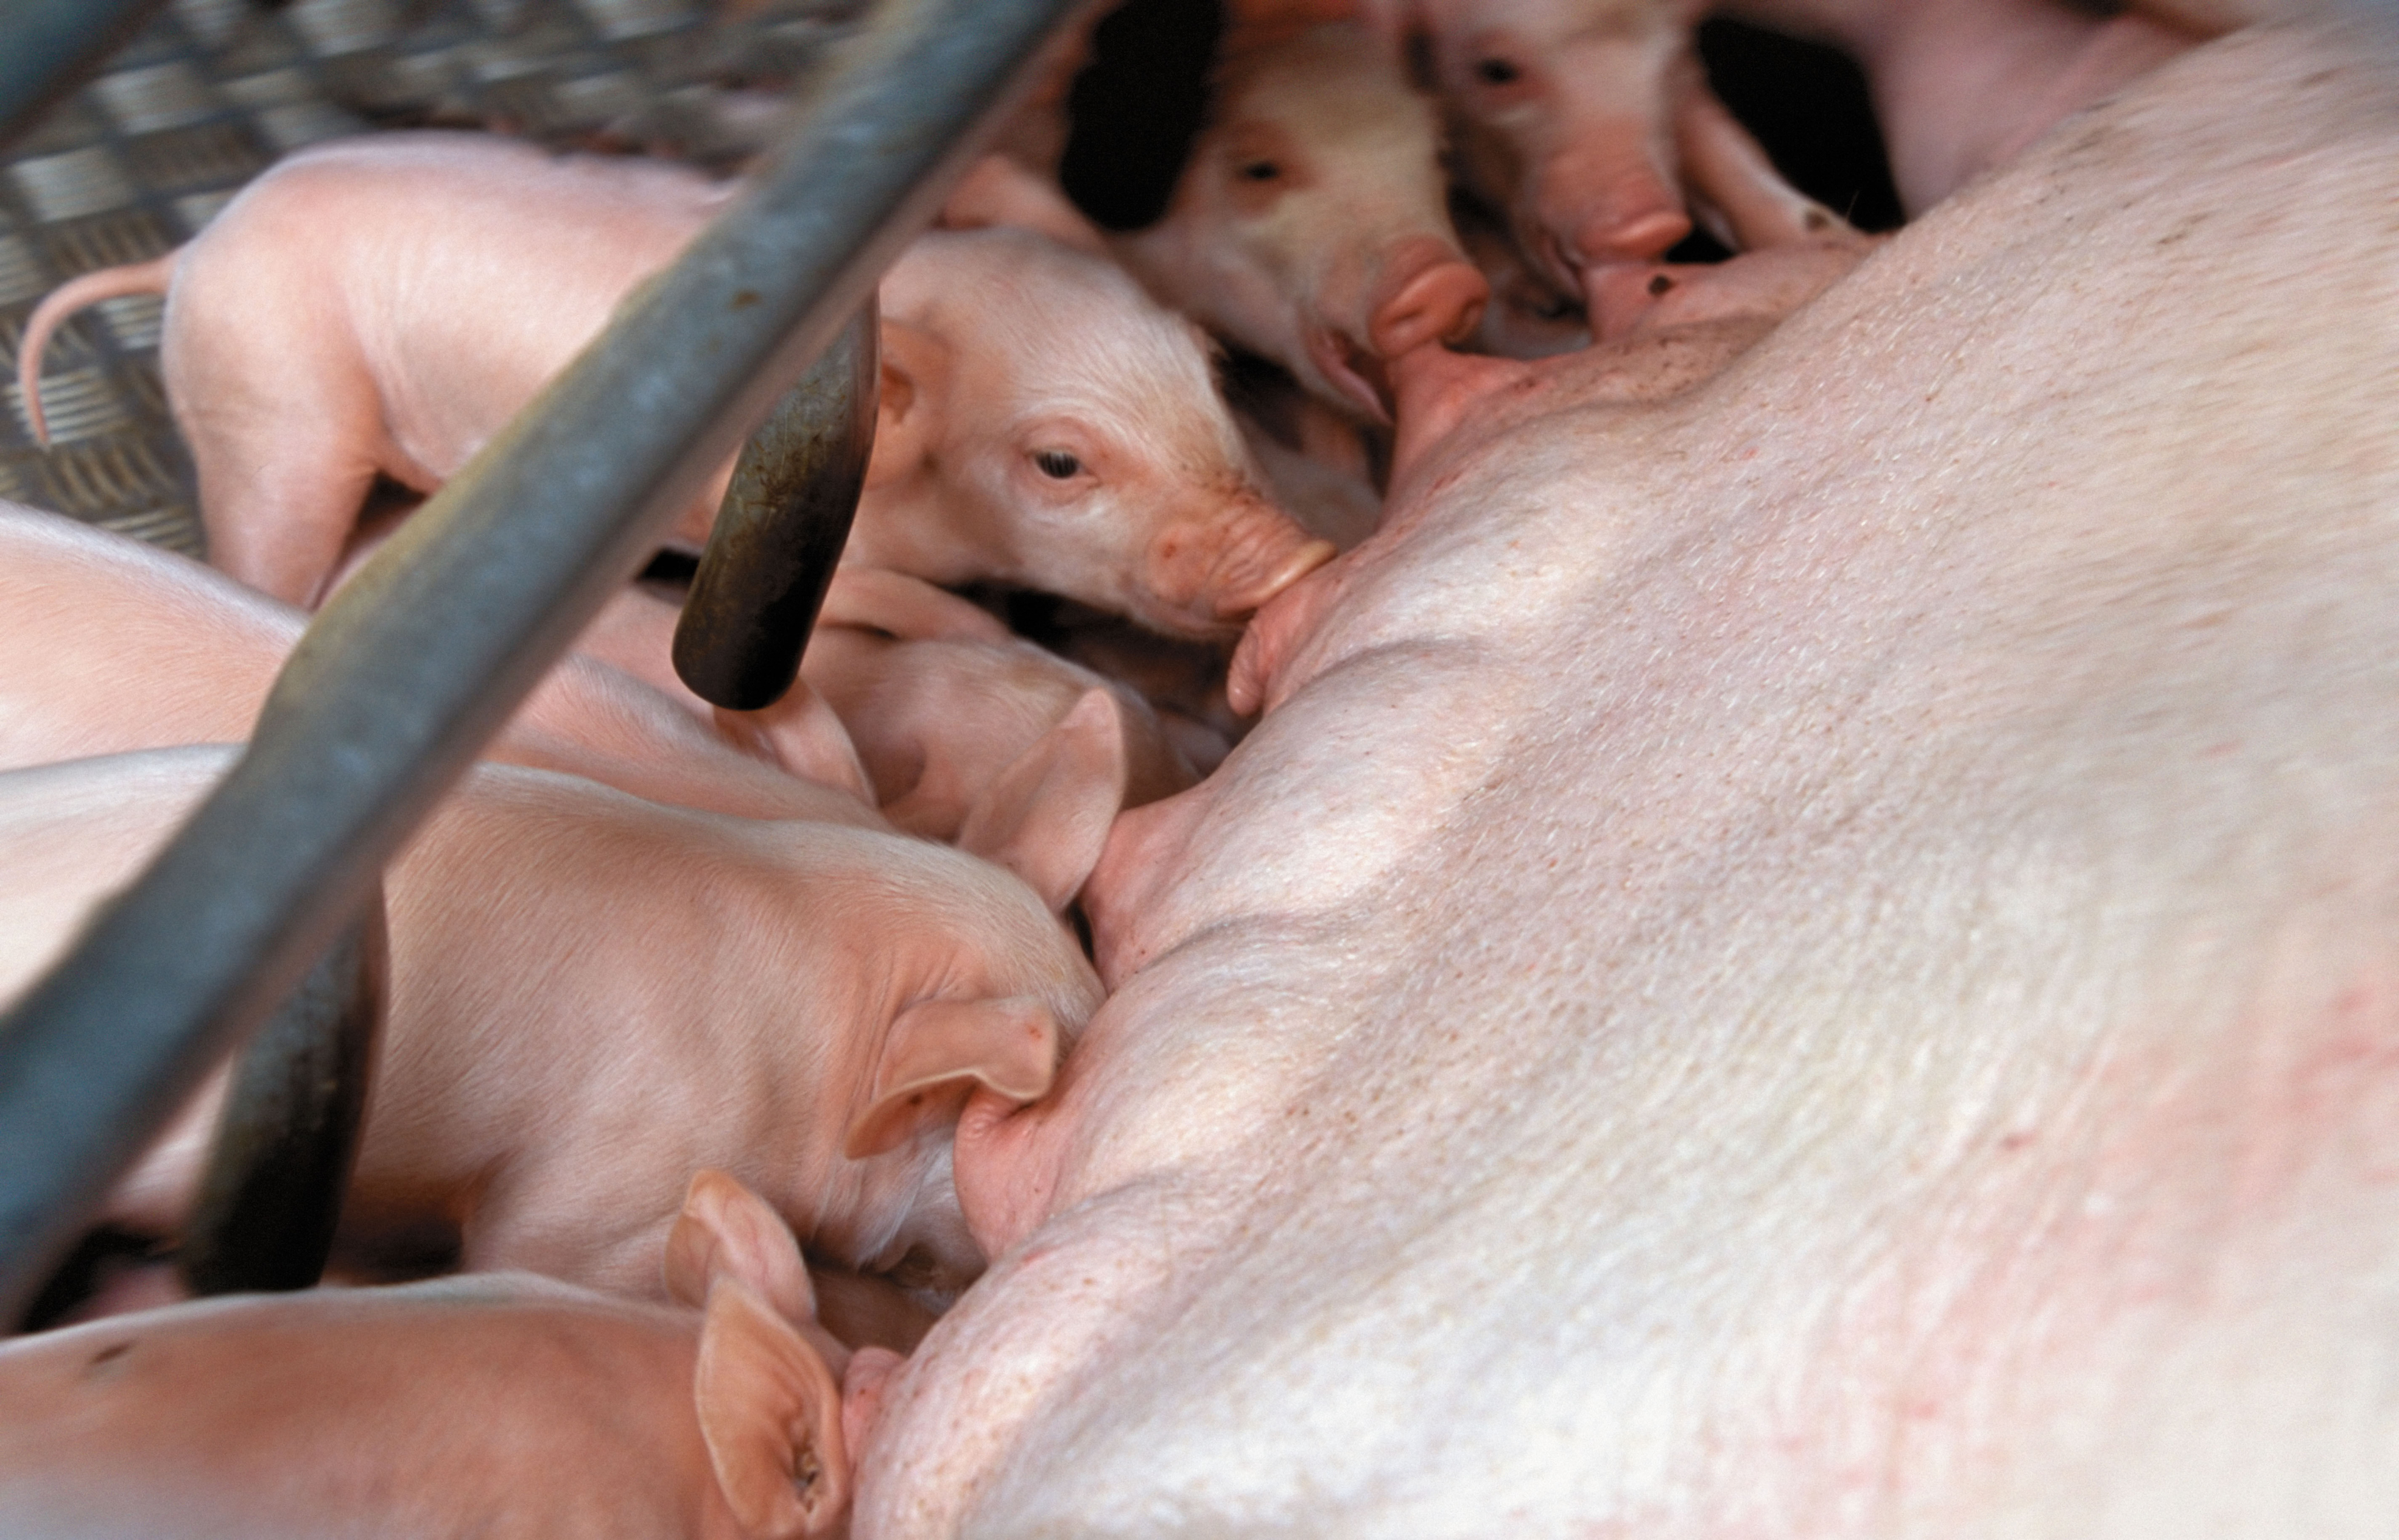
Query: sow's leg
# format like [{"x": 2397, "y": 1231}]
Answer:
[{"x": 1817, "y": 958}]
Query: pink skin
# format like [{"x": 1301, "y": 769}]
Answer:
[
  {"x": 120, "y": 646},
  {"x": 1310, "y": 223},
  {"x": 385, "y": 306},
  {"x": 1810, "y": 914},
  {"x": 635, "y": 632},
  {"x": 591, "y": 995},
  {"x": 1961, "y": 86},
  {"x": 469, "y": 1405},
  {"x": 938, "y": 719},
  {"x": 1589, "y": 122}
]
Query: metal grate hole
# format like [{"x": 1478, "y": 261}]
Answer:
[
  {"x": 136, "y": 234},
  {"x": 215, "y": 155},
  {"x": 79, "y": 181},
  {"x": 73, "y": 122},
  {"x": 163, "y": 96},
  {"x": 103, "y": 480},
  {"x": 78, "y": 402}
]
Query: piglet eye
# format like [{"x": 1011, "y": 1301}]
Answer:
[
  {"x": 1260, "y": 170},
  {"x": 1057, "y": 464},
  {"x": 1496, "y": 72}
]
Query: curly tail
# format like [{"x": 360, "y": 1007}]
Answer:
[{"x": 134, "y": 278}]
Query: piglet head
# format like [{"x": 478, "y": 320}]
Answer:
[
  {"x": 1310, "y": 223},
  {"x": 1564, "y": 113},
  {"x": 1047, "y": 423}
]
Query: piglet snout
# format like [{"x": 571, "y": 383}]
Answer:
[
  {"x": 1611, "y": 202},
  {"x": 1222, "y": 568},
  {"x": 1252, "y": 583},
  {"x": 1429, "y": 294}
]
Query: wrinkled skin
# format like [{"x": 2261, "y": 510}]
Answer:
[
  {"x": 592, "y": 996},
  {"x": 1310, "y": 222},
  {"x": 385, "y": 306},
  {"x": 1802, "y": 950},
  {"x": 940, "y": 718},
  {"x": 1046, "y": 423},
  {"x": 119, "y": 645},
  {"x": 499, "y": 1404},
  {"x": 1588, "y": 121}
]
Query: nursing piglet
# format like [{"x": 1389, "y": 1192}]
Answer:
[
  {"x": 1589, "y": 120},
  {"x": 497, "y": 1404},
  {"x": 938, "y": 720},
  {"x": 1310, "y": 224},
  {"x": 385, "y": 306},
  {"x": 591, "y": 995}
]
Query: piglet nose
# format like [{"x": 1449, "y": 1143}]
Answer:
[
  {"x": 1234, "y": 603},
  {"x": 1438, "y": 297},
  {"x": 1643, "y": 236}
]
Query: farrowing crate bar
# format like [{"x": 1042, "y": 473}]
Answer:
[{"x": 416, "y": 662}]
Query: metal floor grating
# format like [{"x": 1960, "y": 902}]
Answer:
[{"x": 216, "y": 90}]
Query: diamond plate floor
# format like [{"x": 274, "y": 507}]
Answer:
[{"x": 216, "y": 90}]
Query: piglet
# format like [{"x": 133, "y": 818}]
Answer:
[
  {"x": 939, "y": 721},
  {"x": 491, "y": 1404},
  {"x": 590, "y": 995},
  {"x": 1310, "y": 224},
  {"x": 1588, "y": 120},
  {"x": 935, "y": 694},
  {"x": 385, "y": 306}
]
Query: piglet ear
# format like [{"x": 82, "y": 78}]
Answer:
[
  {"x": 939, "y": 1051},
  {"x": 907, "y": 417},
  {"x": 725, "y": 1231},
  {"x": 1047, "y": 815},
  {"x": 770, "y": 1411}
]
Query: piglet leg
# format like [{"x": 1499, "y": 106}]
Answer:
[{"x": 1734, "y": 190}]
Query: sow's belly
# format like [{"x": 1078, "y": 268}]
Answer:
[{"x": 1812, "y": 958}]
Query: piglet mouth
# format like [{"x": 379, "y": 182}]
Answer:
[{"x": 1354, "y": 371}]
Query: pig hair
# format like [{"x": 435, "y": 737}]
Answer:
[{"x": 1147, "y": 368}]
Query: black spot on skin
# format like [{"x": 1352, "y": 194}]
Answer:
[
  {"x": 1660, "y": 284},
  {"x": 1817, "y": 219},
  {"x": 107, "y": 1356}
]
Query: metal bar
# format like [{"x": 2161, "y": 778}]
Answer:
[
  {"x": 779, "y": 532},
  {"x": 423, "y": 656},
  {"x": 271, "y": 1194},
  {"x": 49, "y": 48}
]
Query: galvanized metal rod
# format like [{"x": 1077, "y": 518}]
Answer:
[
  {"x": 47, "y": 47},
  {"x": 271, "y": 1194},
  {"x": 423, "y": 656},
  {"x": 779, "y": 531}
]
